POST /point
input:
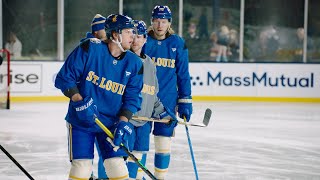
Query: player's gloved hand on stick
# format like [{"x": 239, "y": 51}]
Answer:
[
  {"x": 185, "y": 107},
  {"x": 86, "y": 111},
  {"x": 122, "y": 133},
  {"x": 167, "y": 114}
]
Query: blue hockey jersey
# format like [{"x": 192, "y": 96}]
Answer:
[
  {"x": 88, "y": 35},
  {"x": 114, "y": 84},
  {"x": 171, "y": 58}
]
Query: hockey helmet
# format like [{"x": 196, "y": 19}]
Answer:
[
  {"x": 141, "y": 27},
  {"x": 117, "y": 22},
  {"x": 162, "y": 12}
]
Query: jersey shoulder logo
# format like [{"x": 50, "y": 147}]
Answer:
[
  {"x": 120, "y": 133},
  {"x": 128, "y": 73}
]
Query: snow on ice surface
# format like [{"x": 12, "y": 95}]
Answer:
[{"x": 244, "y": 141}]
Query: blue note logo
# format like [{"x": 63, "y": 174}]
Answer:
[{"x": 196, "y": 81}]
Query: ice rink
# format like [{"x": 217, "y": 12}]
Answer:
[{"x": 244, "y": 141}]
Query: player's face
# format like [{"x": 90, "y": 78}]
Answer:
[
  {"x": 127, "y": 38},
  {"x": 160, "y": 27},
  {"x": 138, "y": 42}
]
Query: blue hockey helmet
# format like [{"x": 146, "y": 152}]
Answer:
[
  {"x": 117, "y": 22},
  {"x": 141, "y": 27},
  {"x": 161, "y": 12}
]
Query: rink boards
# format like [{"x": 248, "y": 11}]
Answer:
[{"x": 34, "y": 81}]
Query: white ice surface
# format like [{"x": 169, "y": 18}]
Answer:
[{"x": 244, "y": 141}]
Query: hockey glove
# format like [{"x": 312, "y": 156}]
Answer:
[
  {"x": 185, "y": 107},
  {"x": 167, "y": 114},
  {"x": 122, "y": 133},
  {"x": 86, "y": 111}
]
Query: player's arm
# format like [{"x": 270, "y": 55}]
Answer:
[
  {"x": 71, "y": 72},
  {"x": 183, "y": 82},
  {"x": 159, "y": 110},
  {"x": 69, "y": 77},
  {"x": 182, "y": 70},
  {"x": 132, "y": 96},
  {"x": 158, "y": 107},
  {"x": 131, "y": 103}
]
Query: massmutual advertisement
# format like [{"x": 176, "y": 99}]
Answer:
[
  {"x": 36, "y": 79},
  {"x": 260, "y": 80}
]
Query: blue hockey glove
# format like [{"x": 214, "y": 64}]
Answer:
[
  {"x": 86, "y": 111},
  {"x": 173, "y": 119},
  {"x": 167, "y": 114},
  {"x": 185, "y": 107},
  {"x": 122, "y": 133}
]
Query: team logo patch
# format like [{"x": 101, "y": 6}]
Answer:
[
  {"x": 114, "y": 19},
  {"x": 128, "y": 73},
  {"x": 120, "y": 133},
  {"x": 114, "y": 62},
  {"x": 159, "y": 42},
  {"x": 174, "y": 49}
]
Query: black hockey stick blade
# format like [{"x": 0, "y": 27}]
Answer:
[{"x": 207, "y": 116}]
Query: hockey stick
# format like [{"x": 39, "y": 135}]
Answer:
[
  {"x": 191, "y": 150},
  {"x": 205, "y": 121},
  {"x": 206, "y": 118},
  {"x": 16, "y": 163},
  {"x": 109, "y": 133}
]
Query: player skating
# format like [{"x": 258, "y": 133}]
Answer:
[
  {"x": 102, "y": 80},
  {"x": 150, "y": 107},
  {"x": 169, "y": 53}
]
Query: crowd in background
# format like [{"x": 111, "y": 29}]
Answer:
[
  {"x": 273, "y": 30},
  {"x": 264, "y": 43}
]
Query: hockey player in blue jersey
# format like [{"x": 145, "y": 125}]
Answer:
[
  {"x": 97, "y": 28},
  {"x": 151, "y": 106},
  {"x": 97, "y": 31},
  {"x": 169, "y": 53},
  {"x": 102, "y": 80}
]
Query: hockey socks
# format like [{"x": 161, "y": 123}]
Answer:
[
  {"x": 162, "y": 156},
  {"x": 116, "y": 168},
  {"x": 80, "y": 169},
  {"x": 134, "y": 171},
  {"x": 101, "y": 170}
]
